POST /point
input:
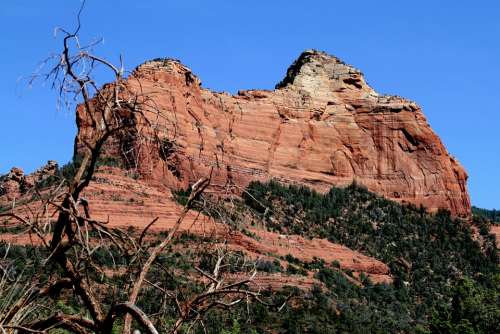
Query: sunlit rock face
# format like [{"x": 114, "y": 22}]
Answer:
[
  {"x": 15, "y": 184},
  {"x": 323, "y": 125}
]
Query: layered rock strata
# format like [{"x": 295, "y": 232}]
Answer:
[{"x": 323, "y": 125}]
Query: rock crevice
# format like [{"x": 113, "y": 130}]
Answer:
[{"x": 323, "y": 125}]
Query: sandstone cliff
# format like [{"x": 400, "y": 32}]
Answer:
[{"x": 323, "y": 125}]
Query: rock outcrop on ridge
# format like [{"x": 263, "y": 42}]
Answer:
[
  {"x": 323, "y": 125},
  {"x": 15, "y": 183}
]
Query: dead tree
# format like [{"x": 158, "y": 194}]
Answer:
[{"x": 72, "y": 240}]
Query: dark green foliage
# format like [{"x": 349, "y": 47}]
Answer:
[
  {"x": 295, "y": 266},
  {"x": 166, "y": 149},
  {"x": 493, "y": 215},
  {"x": 295, "y": 270},
  {"x": 182, "y": 195},
  {"x": 268, "y": 266},
  {"x": 474, "y": 309},
  {"x": 68, "y": 171},
  {"x": 164, "y": 60},
  {"x": 446, "y": 280},
  {"x": 109, "y": 257},
  {"x": 25, "y": 261},
  {"x": 291, "y": 259},
  {"x": 4, "y": 228},
  {"x": 428, "y": 254}
]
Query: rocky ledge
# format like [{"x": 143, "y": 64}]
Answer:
[{"x": 323, "y": 125}]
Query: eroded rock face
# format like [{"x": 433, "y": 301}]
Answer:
[
  {"x": 11, "y": 185},
  {"x": 14, "y": 184},
  {"x": 323, "y": 125}
]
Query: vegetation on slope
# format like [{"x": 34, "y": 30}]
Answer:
[
  {"x": 493, "y": 215},
  {"x": 441, "y": 270},
  {"x": 68, "y": 170},
  {"x": 446, "y": 276}
]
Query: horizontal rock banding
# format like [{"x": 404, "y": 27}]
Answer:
[{"x": 323, "y": 125}]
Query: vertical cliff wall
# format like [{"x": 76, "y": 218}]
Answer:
[{"x": 323, "y": 125}]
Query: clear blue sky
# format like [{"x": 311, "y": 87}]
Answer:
[{"x": 445, "y": 55}]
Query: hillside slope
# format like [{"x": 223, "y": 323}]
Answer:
[{"x": 353, "y": 261}]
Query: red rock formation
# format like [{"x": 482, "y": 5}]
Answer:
[
  {"x": 323, "y": 125},
  {"x": 125, "y": 202},
  {"x": 15, "y": 183},
  {"x": 495, "y": 229},
  {"x": 11, "y": 185}
]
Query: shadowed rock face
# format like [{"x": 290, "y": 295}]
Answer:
[{"x": 322, "y": 126}]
